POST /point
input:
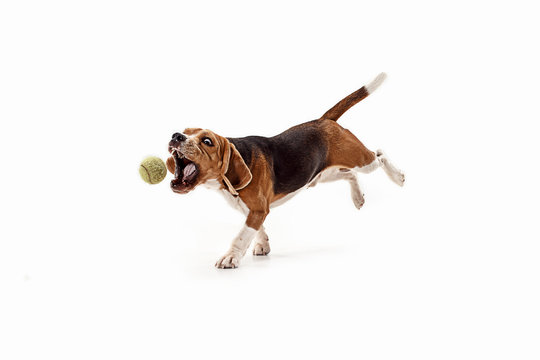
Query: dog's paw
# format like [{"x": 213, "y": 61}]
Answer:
[
  {"x": 358, "y": 200},
  {"x": 228, "y": 261},
  {"x": 399, "y": 178},
  {"x": 261, "y": 249}
]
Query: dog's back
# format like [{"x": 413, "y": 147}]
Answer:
[{"x": 295, "y": 156}]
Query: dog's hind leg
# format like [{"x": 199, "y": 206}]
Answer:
[
  {"x": 356, "y": 193},
  {"x": 381, "y": 160},
  {"x": 393, "y": 173},
  {"x": 345, "y": 174}
]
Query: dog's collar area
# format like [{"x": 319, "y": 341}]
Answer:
[{"x": 228, "y": 188}]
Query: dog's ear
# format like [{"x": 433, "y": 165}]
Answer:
[
  {"x": 236, "y": 174},
  {"x": 171, "y": 164}
]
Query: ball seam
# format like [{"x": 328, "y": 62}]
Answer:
[{"x": 148, "y": 172}]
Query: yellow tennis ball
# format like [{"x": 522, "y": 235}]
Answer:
[{"x": 152, "y": 170}]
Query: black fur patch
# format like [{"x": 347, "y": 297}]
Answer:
[{"x": 295, "y": 156}]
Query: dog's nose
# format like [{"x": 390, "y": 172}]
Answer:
[{"x": 178, "y": 137}]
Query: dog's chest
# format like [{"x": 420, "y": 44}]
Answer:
[{"x": 233, "y": 201}]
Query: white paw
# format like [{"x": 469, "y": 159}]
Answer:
[
  {"x": 228, "y": 261},
  {"x": 358, "y": 200},
  {"x": 399, "y": 178},
  {"x": 261, "y": 249}
]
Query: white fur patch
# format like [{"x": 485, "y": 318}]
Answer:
[
  {"x": 238, "y": 248},
  {"x": 374, "y": 165},
  {"x": 372, "y": 86},
  {"x": 393, "y": 173},
  {"x": 233, "y": 201},
  {"x": 262, "y": 246},
  {"x": 212, "y": 184},
  {"x": 243, "y": 239}
]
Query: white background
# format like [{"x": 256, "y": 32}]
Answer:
[{"x": 96, "y": 264}]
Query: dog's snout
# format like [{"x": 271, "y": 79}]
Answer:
[{"x": 178, "y": 137}]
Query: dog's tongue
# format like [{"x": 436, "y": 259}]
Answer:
[{"x": 189, "y": 172}]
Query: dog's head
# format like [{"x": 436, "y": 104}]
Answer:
[{"x": 200, "y": 156}]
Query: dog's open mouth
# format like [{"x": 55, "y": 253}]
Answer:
[{"x": 185, "y": 174}]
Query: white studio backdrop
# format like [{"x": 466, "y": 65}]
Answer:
[{"x": 94, "y": 263}]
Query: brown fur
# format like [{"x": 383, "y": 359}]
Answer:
[
  {"x": 253, "y": 182},
  {"x": 339, "y": 109},
  {"x": 344, "y": 149}
]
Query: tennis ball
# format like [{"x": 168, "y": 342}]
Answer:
[{"x": 152, "y": 170}]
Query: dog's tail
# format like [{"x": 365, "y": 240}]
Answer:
[{"x": 351, "y": 100}]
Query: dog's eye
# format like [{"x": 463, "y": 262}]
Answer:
[{"x": 206, "y": 141}]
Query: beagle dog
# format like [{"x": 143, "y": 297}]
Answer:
[{"x": 257, "y": 173}]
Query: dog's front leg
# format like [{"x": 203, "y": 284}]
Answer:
[
  {"x": 262, "y": 245},
  {"x": 238, "y": 248},
  {"x": 241, "y": 242}
]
